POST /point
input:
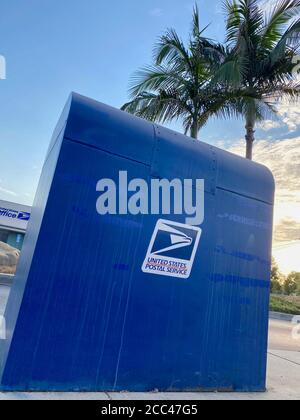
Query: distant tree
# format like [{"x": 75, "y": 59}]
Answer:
[
  {"x": 276, "y": 278},
  {"x": 298, "y": 284},
  {"x": 276, "y": 287},
  {"x": 292, "y": 284}
]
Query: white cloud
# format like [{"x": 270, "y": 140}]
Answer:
[
  {"x": 290, "y": 115},
  {"x": 283, "y": 158},
  {"x": 157, "y": 12},
  {"x": 268, "y": 125},
  {"x": 6, "y": 191},
  {"x": 287, "y": 257}
]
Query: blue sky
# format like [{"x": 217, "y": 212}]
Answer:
[{"x": 92, "y": 47}]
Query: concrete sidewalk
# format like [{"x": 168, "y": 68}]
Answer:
[{"x": 283, "y": 384}]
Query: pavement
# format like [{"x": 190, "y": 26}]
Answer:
[{"x": 283, "y": 374}]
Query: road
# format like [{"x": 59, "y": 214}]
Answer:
[
  {"x": 281, "y": 336},
  {"x": 283, "y": 373}
]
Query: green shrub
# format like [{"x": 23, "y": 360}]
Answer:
[{"x": 285, "y": 305}]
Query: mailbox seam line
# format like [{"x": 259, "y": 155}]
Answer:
[
  {"x": 106, "y": 151},
  {"x": 244, "y": 195}
]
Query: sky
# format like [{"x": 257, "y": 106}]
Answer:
[{"x": 93, "y": 47}]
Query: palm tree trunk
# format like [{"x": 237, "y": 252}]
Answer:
[
  {"x": 194, "y": 130},
  {"x": 249, "y": 140}
]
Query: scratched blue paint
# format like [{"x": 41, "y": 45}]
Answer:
[{"x": 83, "y": 316}]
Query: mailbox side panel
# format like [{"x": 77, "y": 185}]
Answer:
[
  {"x": 70, "y": 329},
  {"x": 239, "y": 293},
  {"x": 29, "y": 246},
  {"x": 90, "y": 318},
  {"x": 86, "y": 317}
]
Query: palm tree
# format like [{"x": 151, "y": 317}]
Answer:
[
  {"x": 262, "y": 50},
  {"x": 178, "y": 85},
  {"x": 245, "y": 77}
]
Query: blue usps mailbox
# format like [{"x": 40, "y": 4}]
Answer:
[{"x": 116, "y": 291}]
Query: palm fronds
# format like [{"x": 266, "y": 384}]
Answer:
[{"x": 246, "y": 77}]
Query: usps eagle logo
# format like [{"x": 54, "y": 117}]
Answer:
[{"x": 172, "y": 249}]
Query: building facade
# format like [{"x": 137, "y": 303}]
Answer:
[{"x": 13, "y": 223}]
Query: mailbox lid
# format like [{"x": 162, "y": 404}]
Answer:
[
  {"x": 109, "y": 129},
  {"x": 244, "y": 177},
  {"x": 179, "y": 156},
  {"x": 169, "y": 154},
  {"x": 176, "y": 155}
]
